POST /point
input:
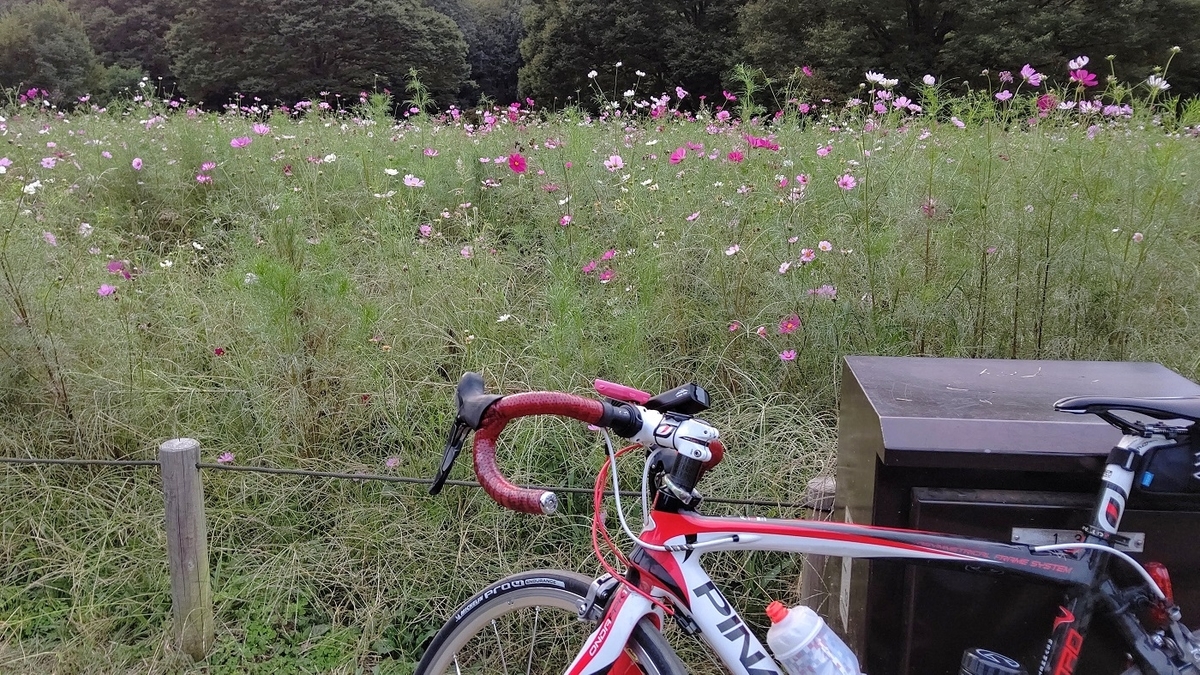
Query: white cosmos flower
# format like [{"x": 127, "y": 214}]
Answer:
[
  {"x": 874, "y": 77},
  {"x": 628, "y": 93},
  {"x": 639, "y": 73},
  {"x": 929, "y": 80},
  {"x": 1157, "y": 83},
  {"x": 32, "y": 188},
  {"x": 1077, "y": 62},
  {"x": 592, "y": 75},
  {"x": 391, "y": 172},
  {"x": 888, "y": 84}
]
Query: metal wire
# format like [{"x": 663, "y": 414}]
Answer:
[{"x": 373, "y": 477}]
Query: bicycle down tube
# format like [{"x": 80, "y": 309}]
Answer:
[{"x": 677, "y": 574}]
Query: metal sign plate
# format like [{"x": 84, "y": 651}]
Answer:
[{"x": 1034, "y": 536}]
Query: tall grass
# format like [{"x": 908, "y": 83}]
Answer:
[{"x": 295, "y": 312}]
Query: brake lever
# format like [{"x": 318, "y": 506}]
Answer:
[{"x": 454, "y": 442}]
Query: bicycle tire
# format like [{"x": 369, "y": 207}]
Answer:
[{"x": 472, "y": 640}]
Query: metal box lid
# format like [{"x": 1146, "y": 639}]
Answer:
[{"x": 930, "y": 409}]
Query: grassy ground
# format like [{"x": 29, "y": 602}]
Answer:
[{"x": 303, "y": 306}]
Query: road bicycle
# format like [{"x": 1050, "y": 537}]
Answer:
[{"x": 554, "y": 621}]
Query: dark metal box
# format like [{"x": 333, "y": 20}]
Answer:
[{"x": 974, "y": 446}]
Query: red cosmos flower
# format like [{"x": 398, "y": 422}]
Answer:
[{"x": 516, "y": 162}]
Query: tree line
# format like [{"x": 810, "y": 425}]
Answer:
[{"x": 507, "y": 50}]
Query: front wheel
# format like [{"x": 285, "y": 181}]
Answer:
[{"x": 529, "y": 623}]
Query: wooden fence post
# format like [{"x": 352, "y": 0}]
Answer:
[
  {"x": 187, "y": 546},
  {"x": 818, "y": 497}
]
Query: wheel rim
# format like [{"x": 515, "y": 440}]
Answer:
[{"x": 533, "y": 632}]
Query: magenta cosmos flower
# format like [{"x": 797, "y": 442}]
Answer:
[
  {"x": 517, "y": 163},
  {"x": 789, "y": 324}
]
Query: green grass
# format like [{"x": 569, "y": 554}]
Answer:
[{"x": 341, "y": 332}]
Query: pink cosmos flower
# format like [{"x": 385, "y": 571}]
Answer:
[
  {"x": 516, "y": 162},
  {"x": 467, "y": 252},
  {"x": 120, "y": 268},
  {"x": 824, "y": 150},
  {"x": 680, "y": 93},
  {"x": 106, "y": 290},
  {"x": 565, "y": 220},
  {"x": 802, "y": 179},
  {"x": 757, "y": 142},
  {"x": 958, "y": 123},
  {"x": 208, "y": 166},
  {"x": 614, "y": 163},
  {"x": 807, "y": 70},
  {"x": 412, "y": 181},
  {"x": 732, "y": 250},
  {"x": 1030, "y": 75},
  {"x": 693, "y": 216},
  {"x": 826, "y": 291},
  {"x": 1003, "y": 95},
  {"x": 240, "y": 142},
  {"x": 846, "y": 182},
  {"x": 106, "y": 154},
  {"x": 1006, "y": 76},
  {"x": 1083, "y": 77},
  {"x": 678, "y": 156},
  {"x": 825, "y": 246},
  {"x": 792, "y": 240},
  {"x": 392, "y": 462},
  {"x": 431, "y": 152},
  {"x": 807, "y": 255},
  {"x": 1138, "y": 237},
  {"x": 425, "y": 230},
  {"x": 787, "y": 355},
  {"x": 607, "y": 276},
  {"x": 789, "y": 324},
  {"x": 609, "y": 254},
  {"x": 736, "y": 156},
  {"x": 784, "y": 266},
  {"x": 723, "y": 116},
  {"x": 262, "y": 129},
  {"x": 761, "y": 331},
  {"x": 49, "y": 162},
  {"x": 225, "y": 458},
  {"x": 590, "y": 267},
  {"x": 735, "y": 326},
  {"x": 203, "y": 178},
  {"x": 50, "y": 238}
]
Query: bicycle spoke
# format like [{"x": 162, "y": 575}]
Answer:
[
  {"x": 500, "y": 648},
  {"x": 537, "y": 611}
]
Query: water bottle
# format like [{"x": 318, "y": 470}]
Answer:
[{"x": 804, "y": 645}]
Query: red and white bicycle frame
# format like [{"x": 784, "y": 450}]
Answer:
[{"x": 677, "y": 575}]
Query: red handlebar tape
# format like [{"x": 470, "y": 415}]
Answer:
[{"x": 498, "y": 415}]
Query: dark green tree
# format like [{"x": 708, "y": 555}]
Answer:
[
  {"x": 494, "y": 47},
  {"x": 291, "y": 49},
  {"x": 957, "y": 41},
  {"x": 131, "y": 33},
  {"x": 692, "y": 43},
  {"x": 44, "y": 45}
]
